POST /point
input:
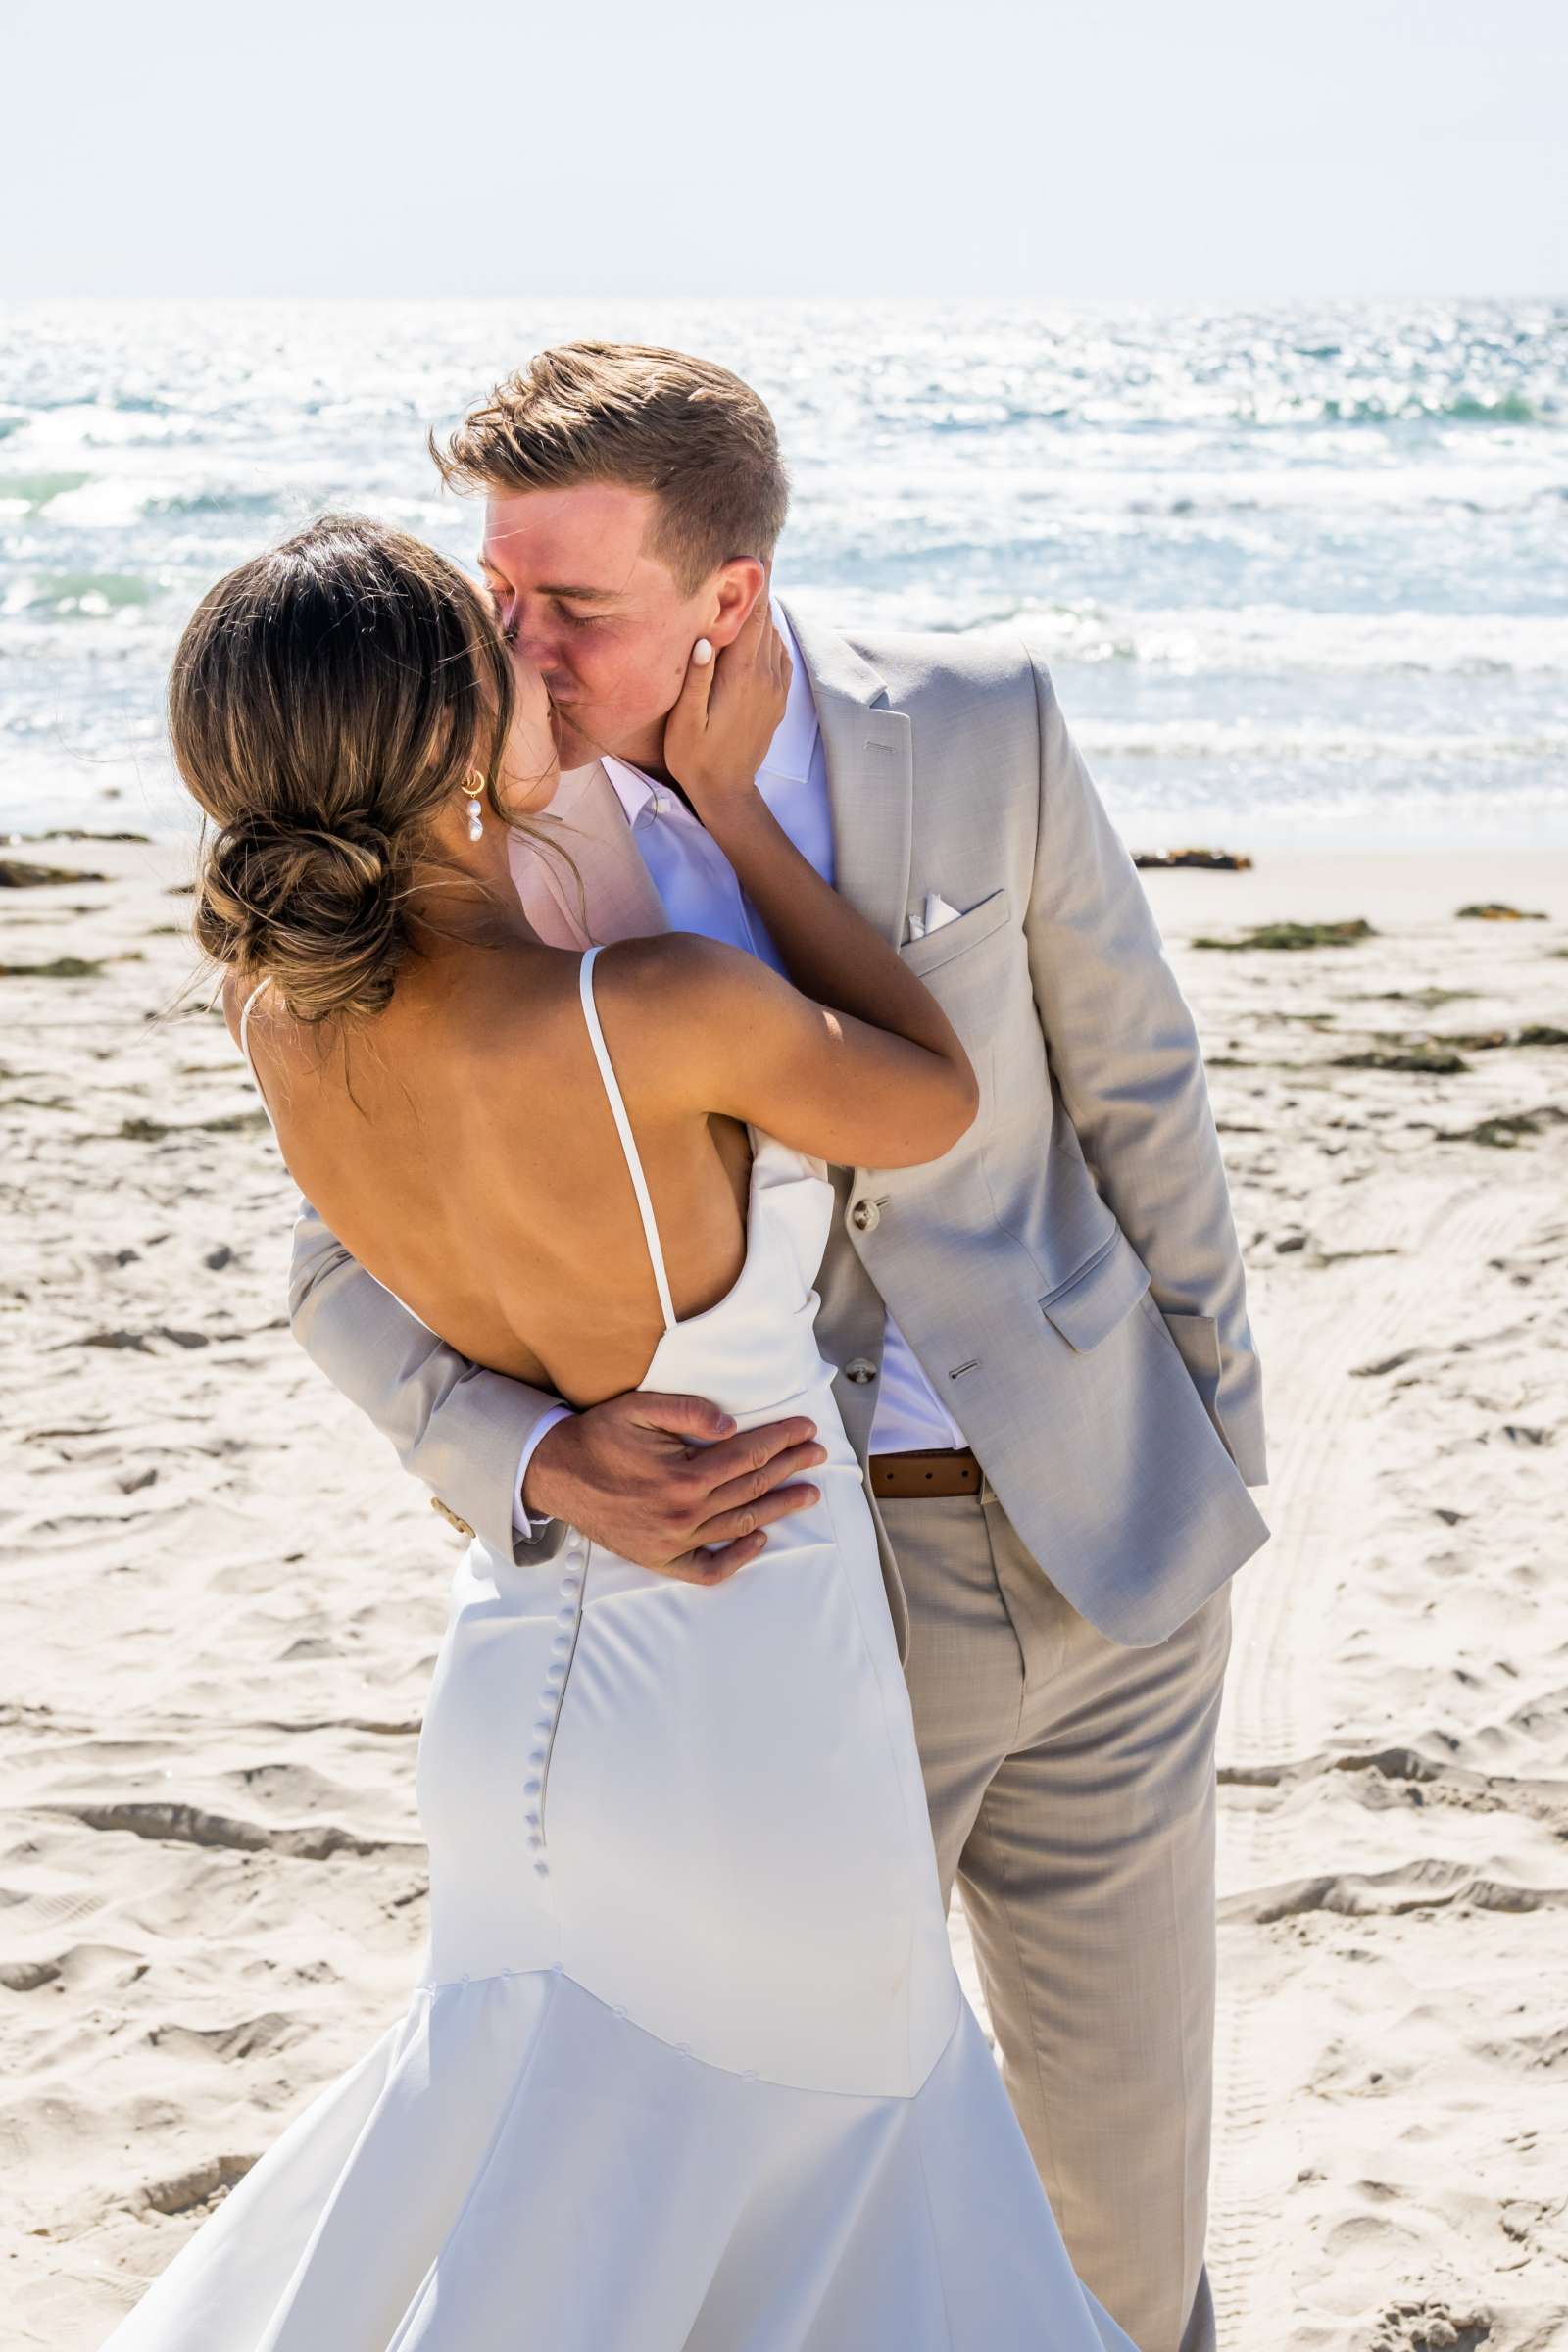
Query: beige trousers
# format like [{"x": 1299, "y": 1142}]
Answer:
[{"x": 1071, "y": 1787}]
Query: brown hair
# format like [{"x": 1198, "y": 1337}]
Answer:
[
  {"x": 689, "y": 432},
  {"x": 326, "y": 700}
]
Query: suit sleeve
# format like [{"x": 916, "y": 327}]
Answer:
[
  {"x": 457, "y": 1428},
  {"x": 1129, "y": 1069}
]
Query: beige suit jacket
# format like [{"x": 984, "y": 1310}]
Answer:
[{"x": 1068, "y": 1275}]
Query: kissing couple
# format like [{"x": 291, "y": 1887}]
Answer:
[{"x": 760, "y": 1175}]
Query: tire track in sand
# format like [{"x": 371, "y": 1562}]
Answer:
[{"x": 1279, "y": 1700}]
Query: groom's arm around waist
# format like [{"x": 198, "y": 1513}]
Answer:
[
  {"x": 457, "y": 1428},
  {"x": 1129, "y": 1068}
]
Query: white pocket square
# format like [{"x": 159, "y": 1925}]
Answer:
[{"x": 934, "y": 913}]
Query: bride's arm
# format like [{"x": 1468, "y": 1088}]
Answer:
[{"x": 880, "y": 1079}]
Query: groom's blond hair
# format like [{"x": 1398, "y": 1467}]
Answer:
[{"x": 660, "y": 421}]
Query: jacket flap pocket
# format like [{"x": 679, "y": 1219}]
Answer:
[
  {"x": 951, "y": 939},
  {"x": 1090, "y": 1303}
]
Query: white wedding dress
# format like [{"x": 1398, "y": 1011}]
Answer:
[{"x": 692, "y": 2071}]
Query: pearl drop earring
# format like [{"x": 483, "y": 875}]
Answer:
[{"x": 475, "y": 818}]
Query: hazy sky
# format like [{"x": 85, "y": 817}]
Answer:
[{"x": 1126, "y": 149}]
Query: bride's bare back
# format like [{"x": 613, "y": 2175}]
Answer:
[{"x": 463, "y": 1150}]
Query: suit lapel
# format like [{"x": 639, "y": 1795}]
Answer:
[{"x": 870, "y": 777}]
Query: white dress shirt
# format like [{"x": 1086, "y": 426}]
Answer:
[{"x": 701, "y": 892}]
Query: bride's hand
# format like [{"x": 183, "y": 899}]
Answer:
[{"x": 717, "y": 737}]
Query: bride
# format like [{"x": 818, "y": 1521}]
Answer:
[{"x": 690, "y": 2069}]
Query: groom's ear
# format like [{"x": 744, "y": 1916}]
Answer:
[{"x": 736, "y": 587}]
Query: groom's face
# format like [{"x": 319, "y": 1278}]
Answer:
[{"x": 605, "y": 623}]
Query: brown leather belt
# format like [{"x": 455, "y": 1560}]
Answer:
[{"x": 942, "y": 1471}]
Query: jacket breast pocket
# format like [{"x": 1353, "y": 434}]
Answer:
[{"x": 940, "y": 947}]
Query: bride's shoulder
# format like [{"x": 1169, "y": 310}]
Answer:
[
  {"x": 237, "y": 991},
  {"x": 675, "y": 1008},
  {"x": 230, "y": 1002},
  {"x": 672, "y": 1006},
  {"x": 679, "y": 973}
]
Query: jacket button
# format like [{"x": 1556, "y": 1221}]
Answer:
[
  {"x": 866, "y": 1216},
  {"x": 860, "y": 1369}
]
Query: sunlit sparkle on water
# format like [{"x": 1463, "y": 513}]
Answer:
[{"x": 1299, "y": 573}]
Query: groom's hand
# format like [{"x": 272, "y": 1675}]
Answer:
[{"x": 668, "y": 1481}]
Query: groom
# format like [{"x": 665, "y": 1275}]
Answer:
[{"x": 1043, "y": 1351}]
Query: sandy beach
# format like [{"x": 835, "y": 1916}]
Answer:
[{"x": 222, "y": 1601}]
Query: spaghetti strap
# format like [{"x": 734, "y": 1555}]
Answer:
[
  {"x": 245, "y": 1040},
  {"x": 245, "y": 1025},
  {"x": 628, "y": 1144}
]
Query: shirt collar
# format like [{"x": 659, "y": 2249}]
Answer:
[
  {"x": 794, "y": 747},
  {"x": 633, "y": 790},
  {"x": 789, "y": 755}
]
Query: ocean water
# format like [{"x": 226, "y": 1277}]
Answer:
[{"x": 1299, "y": 573}]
